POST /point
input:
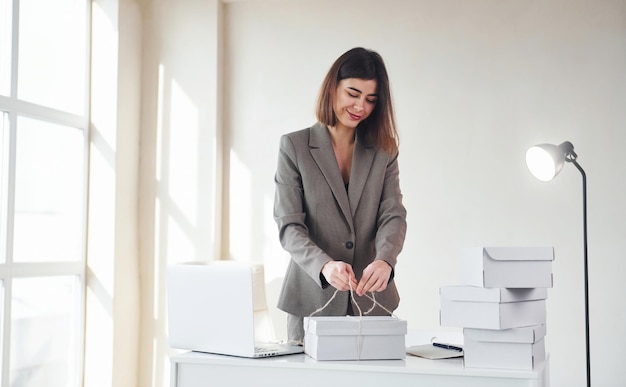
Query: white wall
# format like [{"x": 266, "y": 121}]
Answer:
[
  {"x": 112, "y": 274},
  {"x": 180, "y": 170},
  {"x": 475, "y": 83}
]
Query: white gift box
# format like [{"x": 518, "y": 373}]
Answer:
[
  {"x": 354, "y": 338},
  {"x": 491, "y": 308},
  {"x": 508, "y": 267},
  {"x": 517, "y": 348}
]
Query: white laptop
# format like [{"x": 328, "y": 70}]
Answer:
[{"x": 212, "y": 308}]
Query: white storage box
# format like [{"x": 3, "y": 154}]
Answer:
[
  {"x": 508, "y": 267},
  {"x": 355, "y": 338},
  {"x": 496, "y": 308},
  {"x": 518, "y": 348}
]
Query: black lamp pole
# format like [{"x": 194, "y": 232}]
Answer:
[
  {"x": 537, "y": 160},
  {"x": 572, "y": 159}
]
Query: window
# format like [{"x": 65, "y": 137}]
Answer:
[{"x": 44, "y": 69}]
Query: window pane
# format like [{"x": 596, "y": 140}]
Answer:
[
  {"x": 44, "y": 332},
  {"x": 5, "y": 46},
  {"x": 52, "y": 53},
  {"x": 49, "y": 188}
]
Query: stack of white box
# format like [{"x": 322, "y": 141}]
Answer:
[{"x": 501, "y": 306}]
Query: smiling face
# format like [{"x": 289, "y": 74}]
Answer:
[{"x": 355, "y": 100}]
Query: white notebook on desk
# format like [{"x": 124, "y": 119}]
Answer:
[{"x": 212, "y": 308}]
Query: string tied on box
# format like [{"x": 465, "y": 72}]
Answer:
[{"x": 360, "y": 317}]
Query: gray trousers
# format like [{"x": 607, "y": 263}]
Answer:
[{"x": 295, "y": 329}]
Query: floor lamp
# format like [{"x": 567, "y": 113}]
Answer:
[{"x": 545, "y": 161}]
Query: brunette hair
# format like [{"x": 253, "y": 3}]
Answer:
[{"x": 379, "y": 129}]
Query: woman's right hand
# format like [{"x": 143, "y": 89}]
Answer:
[{"x": 339, "y": 275}]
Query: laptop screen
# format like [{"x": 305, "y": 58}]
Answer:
[{"x": 211, "y": 307}]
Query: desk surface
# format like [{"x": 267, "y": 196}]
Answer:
[{"x": 194, "y": 369}]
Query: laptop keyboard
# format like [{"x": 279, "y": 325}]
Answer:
[{"x": 265, "y": 350}]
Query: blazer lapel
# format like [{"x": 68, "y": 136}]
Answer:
[
  {"x": 362, "y": 160},
  {"x": 322, "y": 152}
]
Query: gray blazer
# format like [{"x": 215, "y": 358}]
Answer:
[{"x": 319, "y": 220}]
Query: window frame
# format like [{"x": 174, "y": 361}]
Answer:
[{"x": 10, "y": 109}]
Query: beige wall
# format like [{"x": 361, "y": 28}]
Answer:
[
  {"x": 113, "y": 273},
  {"x": 180, "y": 172},
  {"x": 475, "y": 83}
]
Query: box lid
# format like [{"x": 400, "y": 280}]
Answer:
[
  {"x": 529, "y": 334},
  {"x": 501, "y": 295},
  {"x": 354, "y": 325},
  {"x": 519, "y": 253}
]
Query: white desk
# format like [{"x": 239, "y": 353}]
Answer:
[{"x": 195, "y": 369}]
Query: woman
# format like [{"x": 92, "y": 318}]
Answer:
[{"x": 338, "y": 203}]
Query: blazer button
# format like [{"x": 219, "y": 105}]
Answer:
[{"x": 349, "y": 245}]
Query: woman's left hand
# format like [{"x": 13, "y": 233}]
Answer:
[{"x": 375, "y": 277}]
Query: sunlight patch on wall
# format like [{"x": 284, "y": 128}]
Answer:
[
  {"x": 156, "y": 275},
  {"x": 183, "y": 153},
  {"x": 278, "y": 259},
  {"x": 104, "y": 74},
  {"x": 100, "y": 350},
  {"x": 180, "y": 244},
  {"x": 241, "y": 191},
  {"x": 102, "y": 220},
  {"x": 159, "y": 127}
]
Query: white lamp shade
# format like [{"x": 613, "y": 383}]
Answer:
[{"x": 545, "y": 161}]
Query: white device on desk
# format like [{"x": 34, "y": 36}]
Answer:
[{"x": 211, "y": 308}]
